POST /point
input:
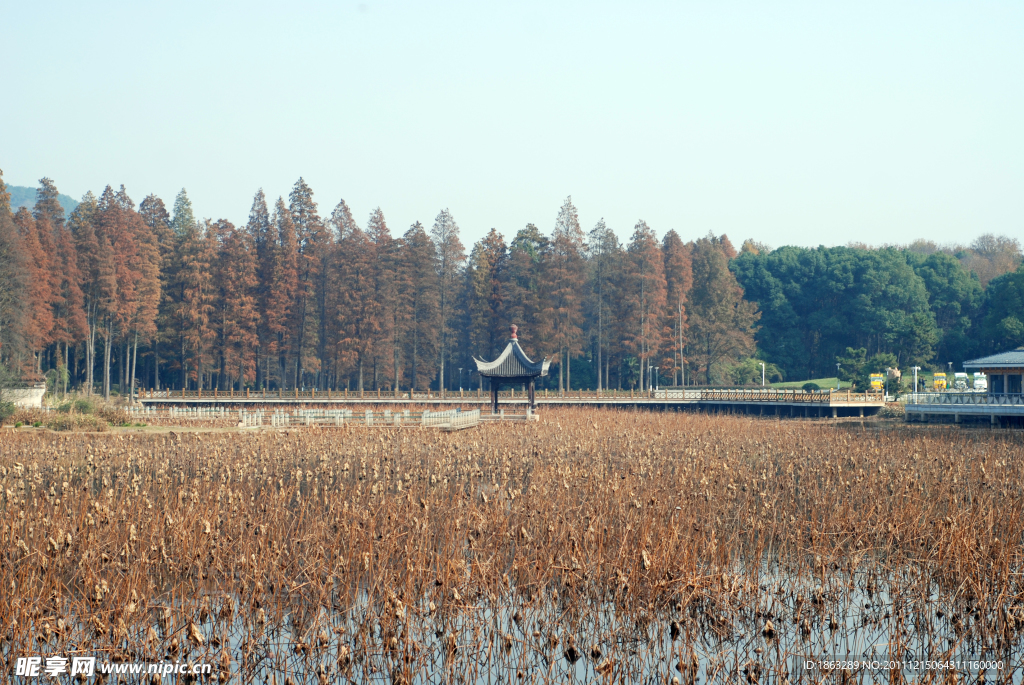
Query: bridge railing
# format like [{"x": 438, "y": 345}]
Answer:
[
  {"x": 451, "y": 419},
  {"x": 965, "y": 398},
  {"x": 765, "y": 395},
  {"x": 465, "y": 419},
  {"x": 713, "y": 395},
  {"x": 475, "y": 395},
  {"x": 787, "y": 396},
  {"x": 141, "y": 412},
  {"x": 277, "y": 394},
  {"x": 321, "y": 395}
]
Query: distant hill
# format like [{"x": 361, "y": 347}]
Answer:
[{"x": 22, "y": 196}]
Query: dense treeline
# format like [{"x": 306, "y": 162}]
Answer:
[
  {"x": 901, "y": 306},
  {"x": 115, "y": 296}
]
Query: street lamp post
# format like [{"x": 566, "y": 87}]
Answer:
[
  {"x": 656, "y": 379},
  {"x": 762, "y": 374}
]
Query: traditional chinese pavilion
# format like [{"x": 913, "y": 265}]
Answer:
[{"x": 512, "y": 367}]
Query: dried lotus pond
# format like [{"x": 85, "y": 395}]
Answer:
[{"x": 591, "y": 546}]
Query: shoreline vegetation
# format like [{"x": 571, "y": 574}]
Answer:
[{"x": 113, "y": 297}]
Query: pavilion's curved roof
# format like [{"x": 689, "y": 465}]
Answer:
[
  {"x": 1008, "y": 359},
  {"x": 511, "y": 363}
]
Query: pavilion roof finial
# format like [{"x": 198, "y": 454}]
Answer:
[{"x": 512, "y": 362}]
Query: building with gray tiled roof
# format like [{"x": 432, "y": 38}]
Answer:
[{"x": 1004, "y": 371}]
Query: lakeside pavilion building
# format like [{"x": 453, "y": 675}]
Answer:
[
  {"x": 1004, "y": 371},
  {"x": 512, "y": 367}
]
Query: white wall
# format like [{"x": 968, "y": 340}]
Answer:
[{"x": 26, "y": 397}]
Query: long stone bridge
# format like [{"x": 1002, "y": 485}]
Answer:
[{"x": 759, "y": 401}]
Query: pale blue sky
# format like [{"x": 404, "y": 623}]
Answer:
[{"x": 793, "y": 123}]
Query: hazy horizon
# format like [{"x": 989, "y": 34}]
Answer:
[{"x": 792, "y": 124}]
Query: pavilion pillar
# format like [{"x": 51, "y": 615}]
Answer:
[
  {"x": 532, "y": 394},
  {"x": 494, "y": 396}
]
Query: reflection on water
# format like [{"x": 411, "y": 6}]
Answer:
[{"x": 762, "y": 626}]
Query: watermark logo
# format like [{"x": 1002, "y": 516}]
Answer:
[
  {"x": 87, "y": 666},
  {"x": 53, "y": 666},
  {"x": 28, "y": 666}
]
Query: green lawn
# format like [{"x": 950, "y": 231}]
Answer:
[{"x": 823, "y": 383}]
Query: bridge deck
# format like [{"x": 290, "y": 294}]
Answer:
[
  {"x": 960, "y": 405},
  {"x": 783, "y": 402}
]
